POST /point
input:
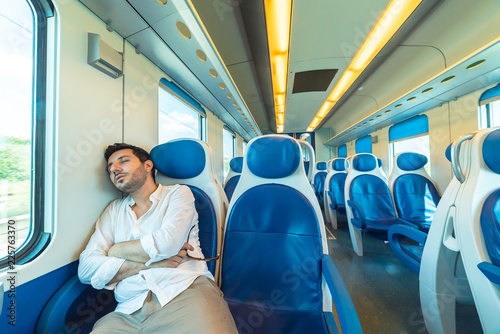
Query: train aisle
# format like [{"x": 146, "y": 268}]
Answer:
[{"x": 385, "y": 291}]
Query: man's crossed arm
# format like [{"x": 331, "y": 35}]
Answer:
[{"x": 135, "y": 258}]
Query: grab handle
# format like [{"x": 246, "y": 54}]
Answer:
[
  {"x": 455, "y": 161},
  {"x": 312, "y": 158}
]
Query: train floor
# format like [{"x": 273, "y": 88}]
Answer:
[{"x": 384, "y": 291}]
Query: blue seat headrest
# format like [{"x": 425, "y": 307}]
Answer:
[
  {"x": 411, "y": 161},
  {"x": 273, "y": 157},
  {"x": 491, "y": 147},
  {"x": 380, "y": 162},
  {"x": 364, "y": 162},
  {"x": 236, "y": 164},
  {"x": 321, "y": 165},
  {"x": 447, "y": 153},
  {"x": 180, "y": 159},
  {"x": 339, "y": 164}
]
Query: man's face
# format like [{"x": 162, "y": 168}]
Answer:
[{"x": 126, "y": 171}]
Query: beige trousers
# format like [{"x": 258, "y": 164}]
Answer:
[{"x": 198, "y": 309}]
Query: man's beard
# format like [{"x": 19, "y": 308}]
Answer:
[{"x": 137, "y": 180}]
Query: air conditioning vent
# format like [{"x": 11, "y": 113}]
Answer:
[{"x": 313, "y": 81}]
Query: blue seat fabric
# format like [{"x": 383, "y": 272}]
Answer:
[
  {"x": 490, "y": 225},
  {"x": 191, "y": 153},
  {"x": 207, "y": 222},
  {"x": 271, "y": 270},
  {"x": 319, "y": 184},
  {"x": 373, "y": 196},
  {"x": 414, "y": 251},
  {"x": 236, "y": 164},
  {"x": 337, "y": 185},
  {"x": 416, "y": 199},
  {"x": 230, "y": 186}
]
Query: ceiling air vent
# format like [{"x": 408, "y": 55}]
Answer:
[{"x": 313, "y": 81}]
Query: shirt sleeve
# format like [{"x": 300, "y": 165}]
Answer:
[
  {"x": 180, "y": 216},
  {"x": 95, "y": 267}
]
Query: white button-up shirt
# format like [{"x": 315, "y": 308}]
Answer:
[{"x": 163, "y": 230}]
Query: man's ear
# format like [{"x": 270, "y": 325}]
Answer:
[{"x": 148, "y": 164}]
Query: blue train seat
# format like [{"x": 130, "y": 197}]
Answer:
[
  {"x": 415, "y": 195},
  {"x": 334, "y": 191},
  {"x": 195, "y": 169},
  {"x": 276, "y": 272},
  {"x": 380, "y": 163},
  {"x": 329, "y": 165},
  {"x": 307, "y": 148},
  {"x": 477, "y": 225},
  {"x": 319, "y": 180},
  {"x": 416, "y": 199},
  {"x": 233, "y": 176},
  {"x": 75, "y": 307},
  {"x": 442, "y": 276},
  {"x": 370, "y": 208}
]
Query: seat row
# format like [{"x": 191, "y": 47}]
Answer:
[
  {"x": 461, "y": 251},
  {"x": 274, "y": 269}
]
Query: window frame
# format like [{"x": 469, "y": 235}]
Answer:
[
  {"x": 233, "y": 135},
  {"x": 391, "y": 150},
  {"x": 177, "y": 93},
  {"x": 37, "y": 239},
  {"x": 486, "y": 116}
]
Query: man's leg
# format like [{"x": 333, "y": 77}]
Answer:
[
  {"x": 117, "y": 323},
  {"x": 198, "y": 309}
]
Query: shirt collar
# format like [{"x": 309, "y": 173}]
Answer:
[{"x": 155, "y": 195}]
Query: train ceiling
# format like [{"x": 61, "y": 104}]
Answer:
[{"x": 325, "y": 36}]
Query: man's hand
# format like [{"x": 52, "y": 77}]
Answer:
[
  {"x": 173, "y": 261},
  {"x": 130, "y": 268}
]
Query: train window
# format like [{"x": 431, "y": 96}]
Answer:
[
  {"x": 23, "y": 45},
  {"x": 244, "y": 147},
  {"x": 489, "y": 108},
  {"x": 229, "y": 148},
  {"x": 411, "y": 135},
  {"x": 180, "y": 116}
]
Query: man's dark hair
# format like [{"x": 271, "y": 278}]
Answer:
[{"x": 140, "y": 153}]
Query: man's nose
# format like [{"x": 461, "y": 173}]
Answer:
[{"x": 115, "y": 168}]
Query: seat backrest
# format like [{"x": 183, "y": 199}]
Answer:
[
  {"x": 477, "y": 225},
  {"x": 274, "y": 225},
  {"x": 190, "y": 162},
  {"x": 380, "y": 164},
  {"x": 235, "y": 166},
  {"x": 441, "y": 264},
  {"x": 329, "y": 165},
  {"x": 366, "y": 186},
  {"x": 319, "y": 177},
  {"x": 335, "y": 182},
  {"x": 415, "y": 195}
]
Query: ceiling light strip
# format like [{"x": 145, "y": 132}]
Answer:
[
  {"x": 278, "y": 21},
  {"x": 393, "y": 17},
  {"x": 444, "y": 72}
]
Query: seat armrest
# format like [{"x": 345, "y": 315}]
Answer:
[
  {"x": 348, "y": 318},
  {"x": 53, "y": 315},
  {"x": 394, "y": 235},
  {"x": 357, "y": 210},
  {"x": 491, "y": 271}
]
